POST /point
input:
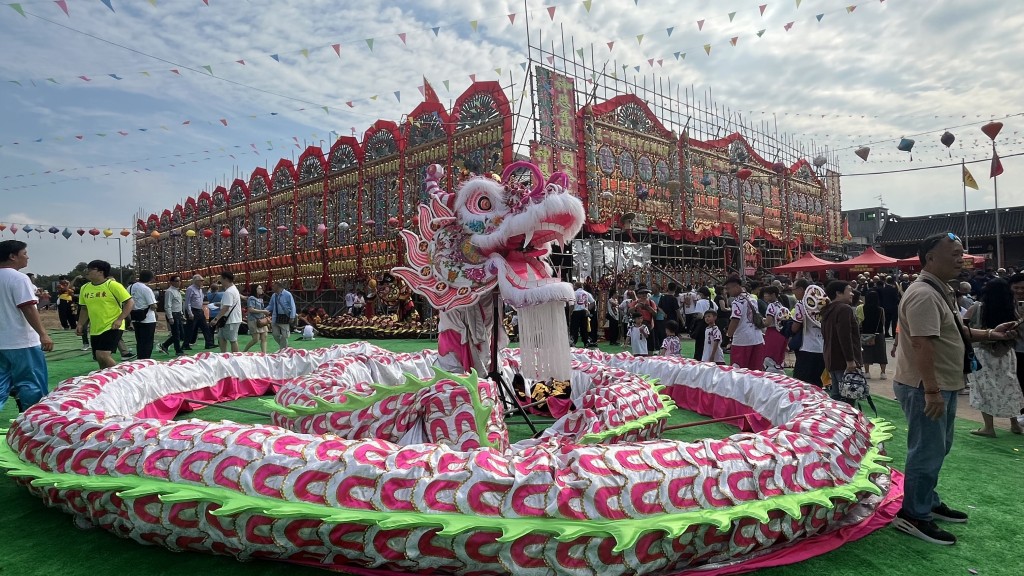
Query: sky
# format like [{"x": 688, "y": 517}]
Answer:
[{"x": 109, "y": 113}]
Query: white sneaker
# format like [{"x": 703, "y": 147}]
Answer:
[{"x": 86, "y": 348}]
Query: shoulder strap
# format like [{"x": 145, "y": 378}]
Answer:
[{"x": 952, "y": 309}]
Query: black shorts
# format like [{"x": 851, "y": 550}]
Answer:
[{"x": 106, "y": 341}]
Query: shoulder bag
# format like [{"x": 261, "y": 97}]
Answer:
[
  {"x": 868, "y": 340},
  {"x": 971, "y": 363}
]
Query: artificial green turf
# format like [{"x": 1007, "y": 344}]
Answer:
[{"x": 983, "y": 476}]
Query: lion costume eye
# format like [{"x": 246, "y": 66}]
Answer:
[{"x": 484, "y": 204}]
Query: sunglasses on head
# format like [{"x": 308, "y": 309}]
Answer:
[{"x": 934, "y": 241}]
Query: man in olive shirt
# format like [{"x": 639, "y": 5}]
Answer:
[{"x": 929, "y": 374}]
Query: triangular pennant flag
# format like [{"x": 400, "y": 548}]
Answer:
[
  {"x": 498, "y": 70},
  {"x": 760, "y": 32},
  {"x": 242, "y": 62},
  {"x": 107, "y": 3},
  {"x": 276, "y": 57},
  {"x": 436, "y": 29},
  {"x": 586, "y": 4},
  {"x": 669, "y": 30},
  {"x": 611, "y": 45},
  {"x": 579, "y": 51},
  {"x": 851, "y": 8},
  {"x": 820, "y": 16},
  {"x": 428, "y": 92},
  {"x": 15, "y": 82},
  {"x": 650, "y": 62},
  {"x": 305, "y": 53},
  {"x": 997, "y": 165},
  {"x": 700, "y": 24},
  {"x": 337, "y": 49},
  {"x": 788, "y": 26},
  {"x": 523, "y": 66},
  {"x": 369, "y": 42},
  {"x": 350, "y": 104},
  {"x": 122, "y": 132},
  {"x": 80, "y": 137},
  {"x": 101, "y": 134},
  {"x": 473, "y": 24},
  {"x": 209, "y": 69},
  {"x": 52, "y": 80},
  {"x": 512, "y": 19},
  {"x": 152, "y": 2},
  {"x": 639, "y": 38},
  {"x": 115, "y": 76},
  {"x": 398, "y": 95},
  {"x": 798, "y": 3},
  {"x": 87, "y": 79},
  {"x": 676, "y": 55},
  {"x": 326, "y": 110},
  {"x": 762, "y": 8},
  {"x": 186, "y": 122},
  {"x": 63, "y": 4},
  {"x": 707, "y": 48},
  {"x": 447, "y": 86},
  {"x": 731, "y": 16},
  {"x": 661, "y": 62},
  {"x": 472, "y": 77},
  {"x": 374, "y": 97},
  {"x": 734, "y": 40},
  {"x": 17, "y": 8},
  {"x": 551, "y": 60},
  {"x": 637, "y": 68},
  {"x": 969, "y": 180},
  {"x": 224, "y": 121},
  {"x": 551, "y": 11},
  {"x": 402, "y": 38}
]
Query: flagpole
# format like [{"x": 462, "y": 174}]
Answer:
[
  {"x": 999, "y": 236},
  {"x": 963, "y": 183}
]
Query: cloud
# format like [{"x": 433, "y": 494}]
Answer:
[{"x": 887, "y": 70}]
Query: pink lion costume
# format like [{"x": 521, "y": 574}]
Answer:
[{"x": 492, "y": 239}]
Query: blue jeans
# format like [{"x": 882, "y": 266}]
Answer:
[
  {"x": 928, "y": 443},
  {"x": 23, "y": 375}
]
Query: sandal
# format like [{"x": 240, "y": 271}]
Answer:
[{"x": 980, "y": 432}]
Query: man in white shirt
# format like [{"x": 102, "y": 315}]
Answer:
[
  {"x": 23, "y": 339},
  {"x": 231, "y": 311},
  {"x": 175, "y": 314},
  {"x": 144, "y": 314},
  {"x": 582, "y": 303},
  {"x": 810, "y": 358},
  {"x": 350, "y": 300},
  {"x": 747, "y": 349},
  {"x": 688, "y": 304}
]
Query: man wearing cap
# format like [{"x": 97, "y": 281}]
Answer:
[{"x": 747, "y": 349}]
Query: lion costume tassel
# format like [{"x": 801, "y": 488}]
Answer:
[{"x": 488, "y": 236}]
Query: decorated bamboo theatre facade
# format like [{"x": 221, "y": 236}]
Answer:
[{"x": 332, "y": 219}]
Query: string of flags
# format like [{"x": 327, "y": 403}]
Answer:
[
  {"x": 303, "y": 54},
  {"x": 41, "y": 230}
]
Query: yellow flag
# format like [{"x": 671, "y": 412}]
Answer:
[{"x": 969, "y": 180}]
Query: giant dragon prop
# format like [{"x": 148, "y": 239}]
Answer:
[
  {"x": 380, "y": 464},
  {"x": 491, "y": 240}
]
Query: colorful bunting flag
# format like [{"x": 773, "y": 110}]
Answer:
[
  {"x": 579, "y": 52},
  {"x": 350, "y": 104},
  {"x": 731, "y": 16},
  {"x": 242, "y": 62},
  {"x": 997, "y": 165},
  {"x": 17, "y": 8},
  {"x": 851, "y": 8},
  {"x": 63, "y": 4},
  {"x": 969, "y": 180},
  {"x": 473, "y": 24},
  {"x": 760, "y": 32},
  {"x": 428, "y": 92},
  {"x": 551, "y": 11},
  {"x": 398, "y": 95},
  {"x": 87, "y": 79},
  {"x": 472, "y": 77},
  {"x": 789, "y": 26},
  {"x": 402, "y": 37},
  {"x": 669, "y": 30},
  {"x": 762, "y": 8},
  {"x": 611, "y": 45},
  {"x": 305, "y": 53},
  {"x": 707, "y": 49},
  {"x": 639, "y": 38},
  {"x": 115, "y": 76},
  {"x": 512, "y": 19},
  {"x": 700, "y": 24},
  {"x": 436, "y": 29},
  {"x": 498, "y": 70},
  {"x": 586, "y": 4},
  {"x": 798, "y": 3},
  {"x": 276, "y": 57},
  {"x": 734, "y": 40},
  {"x": 447, "y": 86},
  {"x": 224, "y": 121},
  {"x": 369, "y": 42},
  {"x": 337, "y": 49},
  {"x": 208, "y": 68},
  {"x": 820, "y": 16},
  {"x": 107, "y": 3}
]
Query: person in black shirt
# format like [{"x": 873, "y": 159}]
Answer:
[{"x": 889, "y": 298}]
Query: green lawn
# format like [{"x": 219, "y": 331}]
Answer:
[{"x": 983, "y": 476}]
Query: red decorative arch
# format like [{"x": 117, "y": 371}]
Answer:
[
  {"x": 386, "y": 126},
  {"x": 284, "y": 165},
  {"x": 240, "y": 185},
  {"x": 619, "y": 101},
  {"x": 141, "y": 225},
  {"x": 220, "y": 193},
  {"x": 191, "y": 207},
  {"x": 803, "y": 162},
  {"x": 313, "y": 152},
  {"x": 152, "y": 222},
  {"x": 205, "y": 199},
  {"x": 259, "y": 173},
  {"x": 424, "y": 109},
  {"x": 493, "y": 89},
  {"x": 345, "y": 142},
  {"x": 177, "y": 215},
  {"x": 722, "y": 144}
]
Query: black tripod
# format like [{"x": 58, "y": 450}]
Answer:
[{"x": 505, "y": 392}]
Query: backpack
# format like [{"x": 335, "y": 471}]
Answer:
[{"x": 756, "y": 318}]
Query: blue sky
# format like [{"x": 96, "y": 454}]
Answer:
[{"x": 887, "y": 69}]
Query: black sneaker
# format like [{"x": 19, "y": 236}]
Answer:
[
  {"x": 947, "y": 514},
  {"x": 926, "y": 530},
  {"x": 162, "y": 348}
]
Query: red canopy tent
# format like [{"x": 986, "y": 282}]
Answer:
[
  {"x": 806, "y": 263},
  {"x": 914, "y": 263},
  {"x": 868, "y": 261}
]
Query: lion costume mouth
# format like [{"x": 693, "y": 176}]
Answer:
[{"x": 525, "y": 255}]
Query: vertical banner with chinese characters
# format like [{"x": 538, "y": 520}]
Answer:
[{"x": 557, "y": 144}]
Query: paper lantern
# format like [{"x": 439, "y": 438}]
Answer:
[
  {"x": 743, "y": 173},
  {"x": 863, "y": 152},
  {"x": 393, "y": 222},
  {"x": 107, "y": 233},
  {"x": 154, "y": 235},
  {"x": 66, "y": 233},
  {"x": 282, "y": 229},
  {"x": 820, "y": 161},
  {"x": 262, "y": 230},
  {"x": 190, "y": 233},
  {"x": 369, "y": 222},
  {"x": 225, "y": 233},
  {"x": 992, "y": 129},
  {"x": 27, "y": 228},
  {"x": 3, "y": 227},
  {"x": 947, "y": 139},
  {"x": 175, "y": 233},
  {"x": 779, "y": 168},
  {"x": 207, "y": 233},
  {"x": 53, "y": 230},
  {"x": 14, "y": 228},
  {"x": 302, "y": 231},
  {"x": 80, "y": 232},
  {"x": 342, "y": 225},
  {"x": 94, "y": 232},
  {"x": 321, "y": 228},
  {"x": 126, "y": 232},
  {"x": 905, "y": 145},
  {"x": 243, "y": 232},
  {"x": 706, "y": 180}
]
